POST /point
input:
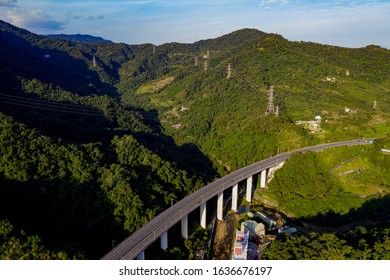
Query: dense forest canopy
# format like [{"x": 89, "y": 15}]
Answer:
[
  {"x": 358, "y": 244},
  {"x": 98, "y": 138}
]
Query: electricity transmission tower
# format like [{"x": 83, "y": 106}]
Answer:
[
  {"x": 94, "y": 61},
  {"x": 206, "y": 60},
  {"x": 229, "y": 71},
  {"x": 270, "y": 106}
]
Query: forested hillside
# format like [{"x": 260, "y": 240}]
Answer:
[
  {"x": 96, "y": 139},
  {"x": 77, "y": 168},
  {"x": 334, "y": 187},
  {"x": 359, "y": 244},
  {"x": 309, "y": 80},
  {"x": 79, "y": 38}
]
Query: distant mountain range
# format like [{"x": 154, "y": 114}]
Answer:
[{"x": 79, "y": 38}]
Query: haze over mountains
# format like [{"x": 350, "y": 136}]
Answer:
[{"x": 107, "y": 135}]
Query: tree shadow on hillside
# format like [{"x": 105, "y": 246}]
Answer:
[
  {"x": 70, "y": 217},
  {"x": 374, "y": 211},
  {"x": 71, "y": 126},
  {"x": 51, "y": 66},
  {"x": 186, "y": 157},
  {"x": 49, "y": 62}
]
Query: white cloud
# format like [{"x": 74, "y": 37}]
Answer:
[
  {"x": 268, "y": 3},
  {"x": 33, "y": 20},
  {"x": 8, "y": 3},
  {"x": 354, "y": 25},
  {"x": 94, "y": 17}
]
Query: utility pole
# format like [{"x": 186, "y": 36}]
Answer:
[
  {"x": 277, "y": 111},
  {"x": 374, "y": 104},
  {"x": 270, "y": 106},
  {"x": 229, "y": 71},
  {"x": 154, "y": 49}
]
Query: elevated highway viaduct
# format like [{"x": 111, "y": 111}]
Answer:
[{"x": 133, "y": 247}]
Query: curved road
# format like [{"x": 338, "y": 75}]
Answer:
[{"x": 132, "y": 246}]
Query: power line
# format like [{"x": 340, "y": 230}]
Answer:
[
  {"x": 311, "y": 106},
  {"x": 64, "y": 110},
  {"x": 242, "y": 77},
  {"x": 294, "y": 102},
  {"x": 49, "y": 109},
  {"x": 300, "y": 105},
  {"x": 50, "y": 106},
  {"x": 49, "y": 103}
]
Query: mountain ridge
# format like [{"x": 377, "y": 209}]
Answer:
[
  {"x": 309, "y": 78},
  {"x": 79, "y": 38},
  {"x": 99, "y": 138}
]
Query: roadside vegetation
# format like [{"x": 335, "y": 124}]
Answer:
[{"x": 359, "y": 244}]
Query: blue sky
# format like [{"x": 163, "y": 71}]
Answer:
[{"x": 355, "y": 23}]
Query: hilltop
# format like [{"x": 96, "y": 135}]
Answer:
[
  {"x": 79, "y": 38},
  {"x": 340, "y": 85},
  {"x": 101, "y": 137}
]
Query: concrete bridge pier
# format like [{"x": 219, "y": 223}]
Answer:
[
  {"x": 263, "y": 178},
  {"x": 234, "y": 197},
  {"x": 141, "y": 256},
  {"x": 203, "y": 215},
  {"x": 249, "y": 183},
  {"x": 220, "y": 206},
  {"x": 184, "y": 226},
  {"x": 164, "y": 240}
]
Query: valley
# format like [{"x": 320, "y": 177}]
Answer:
[{"x": 98, "y": 138}]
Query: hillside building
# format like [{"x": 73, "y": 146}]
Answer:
[
  {"x": 241, "y": 245},
  {"x": 288, "y": 230},
  {"x": 265, "y": 219},
  {"x": 255, "y": 229}
]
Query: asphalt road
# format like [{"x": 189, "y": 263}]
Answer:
[{"x": 132, "y": 246}]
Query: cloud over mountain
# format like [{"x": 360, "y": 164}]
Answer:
[{"x": 35, "y": 19}]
